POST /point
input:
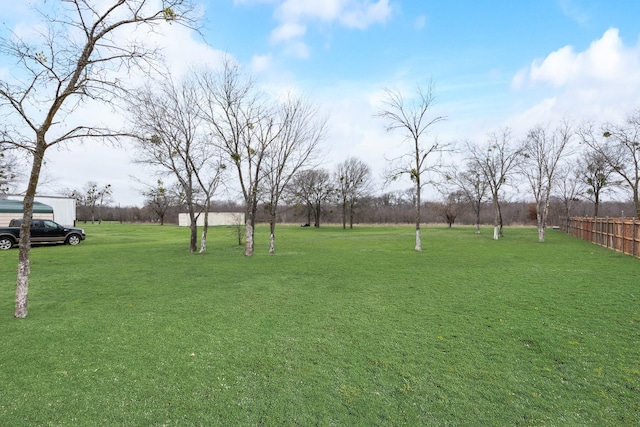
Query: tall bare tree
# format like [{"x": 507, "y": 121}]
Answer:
[
  {"x": 166, "y": 121},
  {"x": 570, "y": 187},
  {"x": 413, "y": 118},
  {"x": 244, "y": 127},
  {"x": 620, "y": 148},
  {"x": 352, "y": 180},
  {"x": 472, "y": 185},
  {"x": 74, "y": 56},
  {"x": 543, "y": 151},
  {"x": 301, "y": 130},
  {"x": 596, "y": 174},
  {"x": 497, "y": 160}
]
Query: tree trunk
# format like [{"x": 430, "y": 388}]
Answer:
[
  {"x": 351, "y": 213},
  {"x": 193, "y": 227},
  {"x": 272, "y": 235},
  {"x": 344, "y": 213},
  {"x": 540, "y": 222},
  {"x": 203, "y": 240},
  {"x": 205, "y": 228},
  {"x": 418, "y": 239},
  {"x": 248, "y": 245},
  {"x": 24, "y": 256},
  {"x": 496, "y": 218},
  {"x": 541, "y": 231},
  {"x": 317, "y": 215},
  {"x": 24, "y": 260},
  {"x": 250, "y": 222},
  {"x": 540, "y": 225}
]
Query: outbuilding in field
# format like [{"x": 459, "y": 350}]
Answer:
[
  {"x": 215, "y": 218},
  {"x": 60, "y": 209},
  {"x": 10, "y": 209}
]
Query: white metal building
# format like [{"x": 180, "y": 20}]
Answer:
[
  {"x": 215, "y": 218},
  {"x": 64, "y": 209}
]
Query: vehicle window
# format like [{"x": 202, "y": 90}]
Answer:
[
  {"x": 37, "y": 224},
  {"x": 50, "y": 224}
]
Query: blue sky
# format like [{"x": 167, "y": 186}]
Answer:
[{"x": 494, "y": 63}]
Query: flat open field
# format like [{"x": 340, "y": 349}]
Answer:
[{"x": 340, "y": 327}]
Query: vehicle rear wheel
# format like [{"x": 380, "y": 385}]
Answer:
[
  {"x": 73, "y": 240},
  {"x": 6, "y": 243}
]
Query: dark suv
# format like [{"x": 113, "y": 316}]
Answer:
[{"x": 42, "y": 231}]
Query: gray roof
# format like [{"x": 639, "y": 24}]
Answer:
[{"x": 15, "y": 206}]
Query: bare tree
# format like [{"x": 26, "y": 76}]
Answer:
[
  {"x": 159, "y": 199},
  {"x": 301, "y": 130},
  {"x": 472, "y": 185},
  {"x": 570, "y": 187},
  {"x": 543, "y": 151},
  {"x": 209, "y": 174},
  {"x": 596, "y": 174},
  {"x": 166, "y": 121},
  {"x": 352, "y": 182},
  {"x": 452, "y": 206},
  {"x": 93, "y": 198},
  {"x": 70, "y": 59},
  {"x": 311, "y": 188},
  {"x": 497, "y": 162},
  {"x": 415, "y": 122},
  {"x": 619, "y": 146},
  {"x": 244, "y": 128}
]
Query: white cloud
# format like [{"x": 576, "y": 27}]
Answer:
[
  {"x": 602, "y": 82},
  {"x": 606, "y": 60},
  {"x": 362, "y": 15},
  {"x": 260, "y": 63},
  {"x": 298, "y": 49},
  {"x": 287, "y": 32},
  {"x": 557, "y": 68},
  {"x": 295, "y": 15},
  {"x": 575, "y": 10}
]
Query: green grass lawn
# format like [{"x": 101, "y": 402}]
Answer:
[{"x": 340, "y": 327}]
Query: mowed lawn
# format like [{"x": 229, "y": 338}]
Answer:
[{"x": 339, "y": 328}]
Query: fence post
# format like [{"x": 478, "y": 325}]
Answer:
[
  {"x": 623, "y": 233},
  {"x": 633, "y": 236}
]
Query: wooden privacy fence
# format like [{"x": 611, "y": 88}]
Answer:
[{"x": 620, "y": 234}]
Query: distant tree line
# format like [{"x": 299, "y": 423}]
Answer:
[{"x": 388, "y": 208}]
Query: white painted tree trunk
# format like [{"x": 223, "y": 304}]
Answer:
[
  {"x": 203, "y": 240},
  {"x": 418, "y": 241},
  {"x": 272, "y": 247},
  {"x": 496, "y": 218},
  {"x": 248, "y": 245},
  {"x": 22, "y": 287}
]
